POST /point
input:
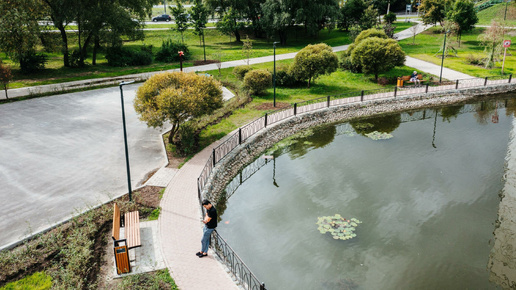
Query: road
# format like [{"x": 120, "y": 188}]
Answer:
[{"x": 64, "y": 154}]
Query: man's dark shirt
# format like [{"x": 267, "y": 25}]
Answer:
[{"x": 212, "y": 213}]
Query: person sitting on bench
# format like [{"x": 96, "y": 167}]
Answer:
[{"x": 414, "y": 79}]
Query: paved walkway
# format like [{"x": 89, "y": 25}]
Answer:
[{"x": 181, "y": 231}]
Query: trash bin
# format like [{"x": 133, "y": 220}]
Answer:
[
  {"x": 122, "y": 260},
  {"x": 400, "y": 82}
]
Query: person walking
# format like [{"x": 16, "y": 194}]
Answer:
[{"x": 210, "y": 223}]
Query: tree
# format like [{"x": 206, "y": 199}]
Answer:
[
  {"x": 19, "y": 28},
  {"x": 176, "y": 97},
  {"x": 61, "y": 14},
  {"x": 180, "y": 17},
  {"x": 351, "y": 13},
  {"x": 492, "y": 39},
  {"x": 230, "y": 24},
  {"x": 433, "y": 11},
  {"x": 315, "y": 15},
  {"x": 369, "y": 18},
  {"x": 5, "y": 76},
  {"x": 102, "y": 19},
  {"x": 376, "y": 55},
  {"x": 313, "y": 61},
  {"x": 199, "y": 18},
  {"x": 463, "y": 13},
  {"x": 247, "y": 48},
  {"x": 277, "y": 17}
]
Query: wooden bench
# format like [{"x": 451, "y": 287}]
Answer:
[
  {"x": 406, "y": 79},
  {"x": 131, "y": 223}
]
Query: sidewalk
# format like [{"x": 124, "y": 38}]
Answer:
[{"x": 181, "y": 232}]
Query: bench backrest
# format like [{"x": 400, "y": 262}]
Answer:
[
  {"x": 116, "y": 222},
  {"x": 407, "y": 78}
]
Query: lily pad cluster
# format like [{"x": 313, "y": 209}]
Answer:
[
  {"x": 375, "y": 135},
  {"x": 339, "y": 227}
]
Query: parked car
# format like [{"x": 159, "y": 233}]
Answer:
[{"x": 163, "y": 17}]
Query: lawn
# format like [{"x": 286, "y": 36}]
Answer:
[
  {"x": 428, "y": 47},
  {"x": 497, "y": 12},
  {"x": 218, "y": 46},
  {"x": 339, "y": 82}
]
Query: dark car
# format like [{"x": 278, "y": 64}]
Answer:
[{"x": 163, "y": 17}]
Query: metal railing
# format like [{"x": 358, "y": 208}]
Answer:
[
  {"x": 243, "y": 275},
  {"x": 235, "y": 264}
]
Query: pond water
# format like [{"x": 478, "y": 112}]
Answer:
[{"x": 427, "y": 198}]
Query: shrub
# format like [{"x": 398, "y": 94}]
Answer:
[
  {"x": 313, "y": 61},
  {"x": 188, "y": 139},
  {"x": 257, "y": 81},
  {"x": 241, "y": 70},
  {"x": 389, "y": 17},
  {"x": 75, "y": 59},
  {"x": 168, "y": 51},
  {"x": 474, "y": 60},
  {"x": 121, "y": 56},
  {"x": 31, "y": 62},
  {"x": 285, "y": 79}
]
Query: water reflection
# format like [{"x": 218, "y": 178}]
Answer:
[
  {"x": 384, "y": 124},
  {"x": 502, "y": 260},
  {"x": 427, "y": 208}
]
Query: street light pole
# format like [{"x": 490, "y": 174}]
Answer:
[
  {"x": 203, "y": 45},
  {"x": 274, "y": 80},
  {"x": 442, "y": 59},
  {"x": 125, "y": 139}
]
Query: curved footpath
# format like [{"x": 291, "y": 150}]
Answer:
[{"x": 180, "y": 218}]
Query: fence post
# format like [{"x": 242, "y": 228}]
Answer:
[
  {"x": 295, "y": 109},
  {"x": 239, "y": 136},
  {"x": 510, "y": 77},
  {"x": 395, "y": 91},
  {"x": 457, "y": 84},
  {"x": 362, "y": 96},
  {"x": 328, "y": 101},
  {"x": 485, "y": 82},
  {"x": 214, "y": 162},
  {"x": 265, "y": 120},
  {"x": 426, "y": 91}
]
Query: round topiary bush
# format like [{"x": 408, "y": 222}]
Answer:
[
  {"x": 241, "y": 70},
  {"x": 257, "y": 81}
]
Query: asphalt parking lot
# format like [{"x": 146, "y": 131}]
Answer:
[{"x": 63, "y": 154}]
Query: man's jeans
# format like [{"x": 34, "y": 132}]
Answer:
[{"x": 205, "y": 242}]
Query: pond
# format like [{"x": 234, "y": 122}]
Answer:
[{"x": 425, "y": 185}]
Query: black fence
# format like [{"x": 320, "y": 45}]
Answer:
[{"x": 238, "y": 268}]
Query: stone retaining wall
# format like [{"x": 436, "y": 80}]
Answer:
[{"x": 245, "y": 153}]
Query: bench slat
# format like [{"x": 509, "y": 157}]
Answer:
[
  {"x": 132, "y": 229},
  {"x": 116, "y": 222}
]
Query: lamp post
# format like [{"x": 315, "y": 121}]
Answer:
[
  {"x": 274, "y": 80},
  {"x": 442, "y": 59},
  {"x": 505, "y": 15},
  {"x": 125, "y": 139},
  {"x": 203, "y": 45}
]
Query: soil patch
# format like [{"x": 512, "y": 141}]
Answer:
[
  {"x": 270, "y": 106},
  {"x": 202, "y": 62}
]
